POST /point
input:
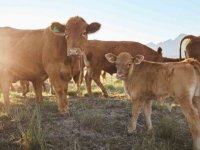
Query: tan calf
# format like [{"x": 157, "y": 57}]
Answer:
[{"x": 145, "y": 81}]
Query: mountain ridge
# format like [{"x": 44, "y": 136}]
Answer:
[{"x": 170, "y": 46}]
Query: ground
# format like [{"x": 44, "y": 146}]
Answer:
[{"x": 92, "y": 124}]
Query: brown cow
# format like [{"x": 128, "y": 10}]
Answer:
[
  {"x": 96, "y": 51},
  {"x": 34, "y": 55},
  {"x": 192, "y": 47},
  {"x": 146, "y": 81}
]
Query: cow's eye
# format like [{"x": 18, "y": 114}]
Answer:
[
  {"x": 129, "y": 65},
  {"x": 84, "y": 34}
]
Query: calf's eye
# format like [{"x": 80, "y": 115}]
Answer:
[{"x": 84, "y": 33}]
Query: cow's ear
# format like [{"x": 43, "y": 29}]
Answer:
[
  {"x": 111, "y": 57},
  {"x": 93, "y": 27},
  {"x": 58, "y": 28},
  {"x": 159, "y": 50},
  {"x": 138, "y": 59}
]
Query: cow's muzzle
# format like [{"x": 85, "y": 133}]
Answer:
[
  {"x": 74, "y": 51},
  {"x": 120, "y": 76}
]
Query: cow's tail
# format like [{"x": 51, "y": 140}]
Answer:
[{"x": 186, "y": 37}]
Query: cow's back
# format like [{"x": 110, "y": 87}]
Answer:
[
  {"x": 21, "y": 52},
  {"x": 97, "y": 49}
]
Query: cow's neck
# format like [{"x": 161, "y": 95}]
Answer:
[{"x": 75, "y": 64}]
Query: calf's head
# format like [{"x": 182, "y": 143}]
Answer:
[
  {"x": 75, "y": 33},
  {"x": 124, "y": 63}
]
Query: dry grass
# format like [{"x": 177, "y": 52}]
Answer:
[{"x": 91, "y": 124}]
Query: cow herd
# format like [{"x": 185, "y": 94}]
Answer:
[{"x": 61, "y": 51}]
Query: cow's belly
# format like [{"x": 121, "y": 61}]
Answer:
[{"x": 22, "y": 72}]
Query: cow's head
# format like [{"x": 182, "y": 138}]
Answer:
[
  {"x": 124, "y": 63},
  {"x": 76, "y": 33}
]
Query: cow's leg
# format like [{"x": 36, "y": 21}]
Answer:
[
  {"x": 37, "y": 84},
  {"x": 12, "y": 87},
  {"x": 52, "y": 91},
  {"x": 136, "y": 108},
  {"x": 196, "y": 102},
  {"x": 78, "y": 90},
  {"x": 96, "y": 78},
  {"x": 147, "y": 112},
  {"x": 25, "y": 87},
  {"x": 5, "y": 85},
  {"x": 88, "y": 81},
  {"x": 44, "y": 87},
  {"x": 80, "y": 79},
  {"x": 59, "y": 87},
  {"x": 193, "y": 120}
]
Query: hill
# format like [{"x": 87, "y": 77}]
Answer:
[{"x": 170, "y": 47}]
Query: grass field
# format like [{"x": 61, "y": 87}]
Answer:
[{"x": 98, "y": 124}]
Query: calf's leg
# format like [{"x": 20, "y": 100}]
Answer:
[
  {"x": 193, "y": 120},
  {"x": 147, "y": 113},
  {"x": 196, "y": 102},
  {"x": 136, "y": 108}
]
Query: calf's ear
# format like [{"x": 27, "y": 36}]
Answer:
[
  {"x": 111, "y": 57},
  {"x": 58, "y": 28},
  {"x": 93, "y": 27},
  {"x": 138, "y": 59}
]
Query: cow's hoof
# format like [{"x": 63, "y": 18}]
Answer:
[
  {"x": 79, "y": 94},
  {"x": 149, "y": 129},
  {"x": 64, "y": 110},
  {"x": 105, "y": 95},
  {"x": 131, "y": 130},
  {"x": 39, "y": 101},
  {"x": 7, "y": 108}
]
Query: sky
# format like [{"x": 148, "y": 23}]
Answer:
[{"x": 131, "y": 20}]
